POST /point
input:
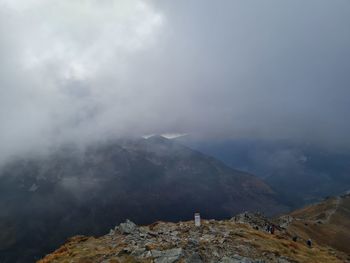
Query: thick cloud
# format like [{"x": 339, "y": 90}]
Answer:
[{"x": 85, "y": 70}]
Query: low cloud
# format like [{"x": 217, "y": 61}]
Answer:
[{"x": 88, "y": 70}]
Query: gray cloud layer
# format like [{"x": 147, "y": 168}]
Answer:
[{"x": 86, "y": 70}]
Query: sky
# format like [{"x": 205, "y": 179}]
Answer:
[{"x": 86, "y": 70}]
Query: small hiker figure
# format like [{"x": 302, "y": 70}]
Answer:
[
  {"x": 295, "y": 238},
  {"x": 272, "y": 229},
  {"x": 268, "y": 228},
  {"x": 309, "y": 242}
]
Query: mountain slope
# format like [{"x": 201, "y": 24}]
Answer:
[
  {"x": 300, "y": 173},
  {"x": 327, "y": 222},
  {"x": 43, "y": 201}
]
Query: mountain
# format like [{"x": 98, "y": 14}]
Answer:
[
  {"x": 300, "y": 173},
  {"x": 327, "y": 222},
  {"x": 44, "y": 200},
  {"x": 243, "y": 239}
]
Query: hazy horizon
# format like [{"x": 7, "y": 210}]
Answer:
[{"x": 85, "y": 70}]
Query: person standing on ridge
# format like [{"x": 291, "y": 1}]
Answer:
[{"x": 309, "y": 243}]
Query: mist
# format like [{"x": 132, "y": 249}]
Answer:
[{"x": 85, "y": 71}]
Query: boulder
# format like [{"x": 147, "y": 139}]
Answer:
[{"x": 128, "y": 227}]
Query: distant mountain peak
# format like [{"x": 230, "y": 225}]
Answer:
[
  {"x": 169, "y": 136},
  {"x": 157, "y": 137}
]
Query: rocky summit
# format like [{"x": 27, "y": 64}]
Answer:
[{"x": 241, "y": 239}]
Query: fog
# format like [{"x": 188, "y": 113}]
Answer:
[{"x": 88, "y": 70}]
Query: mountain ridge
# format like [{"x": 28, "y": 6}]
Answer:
[
  {"x": 243, "y": 238},
  {"x": 88, "y": 190}
]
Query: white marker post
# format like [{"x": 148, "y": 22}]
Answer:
[{"x": 197, "y": 219}]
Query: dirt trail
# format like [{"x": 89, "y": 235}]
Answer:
[{"x": 332, "y": 211}]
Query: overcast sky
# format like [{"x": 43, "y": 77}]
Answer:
[{"x": 89, "y": 69}]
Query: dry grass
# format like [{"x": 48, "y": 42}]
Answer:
[
  {"x": 279, "y": 245},
  {"x": 335, "y": 233},
  {"x": 86, "y": 250}
]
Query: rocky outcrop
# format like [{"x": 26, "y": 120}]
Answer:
[
  {"x": 127, "y": 228},
  {"x": 231, "y": 241},
  {"x": 256, "y": 220}
]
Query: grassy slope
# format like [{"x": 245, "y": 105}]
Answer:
[{"x": 327, "y": 223}]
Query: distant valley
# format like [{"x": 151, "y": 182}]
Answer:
[{"x": 299, "y": 173}]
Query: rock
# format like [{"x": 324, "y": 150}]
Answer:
[
  {"x": 228, "y": 260},
  {"x": 194, "y": 258},
  {"x": 167, "y": 256},
  {"x": 284, "y": 221},
  {"x": 125, "y": 251},
  {"x": 138, "y": 252},
  {"x": 221, "y": 240},
  {"x": 283, "y": 260},
  {"x": 150, "y": 246},
  {"x": 128, "y": 227},
  {"x": 144, "y": 229},
  {"x": 215, "y": 253},
  {"x": 153, "y": 233},
  {"x": 175, "y": 252},
  {"x": 174, "y": 233},
  {"x": 156, "y": 253},
  {"x": 256, "y": 220},
  {"x": 207, "y": 238},
  {"x": 193, "y": 242},
  {"x": 239, "y": 259}
]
